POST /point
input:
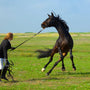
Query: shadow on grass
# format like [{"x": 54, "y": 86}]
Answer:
[
  {"x": 73, "y": 73},
  {"x": 4, "y": 81},
  {"x": 45, "y": 79},
  {"x": 54, "y": 76},
  {"x": 32, "y": 80},
  {"x": 81, "y": 73}
]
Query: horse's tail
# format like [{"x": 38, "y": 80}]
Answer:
[{"x": 44, "y": 54}]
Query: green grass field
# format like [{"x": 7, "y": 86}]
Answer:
[{"x": 27, "y": 68}]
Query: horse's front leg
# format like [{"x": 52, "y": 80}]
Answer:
[
  {"x": 50, "y": 60},
  {"x": 63, "y": 67},
  {"x": 54, "y": 50},
  {"x": 61, "y": 59},
  {"x": 53, "y": 67}
]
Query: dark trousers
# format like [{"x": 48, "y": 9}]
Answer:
[
  {"x": 0, "y": 74},
  {"x": 4, "y": 71}
]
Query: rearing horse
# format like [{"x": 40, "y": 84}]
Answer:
[{"x": 63, "y": 45}]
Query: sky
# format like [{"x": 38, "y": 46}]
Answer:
[{"x": 20, "y": 16}]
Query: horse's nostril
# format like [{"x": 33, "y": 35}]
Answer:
[{"x": 42, "y": 25}]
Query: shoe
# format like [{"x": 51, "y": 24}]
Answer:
[
  {"x": 4, "y": 73},
  {"x": 4, "y": 78}
]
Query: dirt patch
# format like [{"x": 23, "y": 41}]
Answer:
[{"x": 84, "y": 34}]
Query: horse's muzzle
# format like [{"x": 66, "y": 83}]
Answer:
[{"x": 43, "y": 26}]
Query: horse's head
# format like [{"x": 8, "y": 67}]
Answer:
[{"x": 50, "y": 21}]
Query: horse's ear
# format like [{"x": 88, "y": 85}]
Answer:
[
  {"x": 48, "y": 15},
  {"x": 52, "y": 14},
  {"x": 58, "y": 16}
]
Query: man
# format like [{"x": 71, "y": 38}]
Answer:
[{"x": 5, "y": 45}]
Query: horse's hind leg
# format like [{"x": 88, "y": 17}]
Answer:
[{"x": 71, "y": 57}]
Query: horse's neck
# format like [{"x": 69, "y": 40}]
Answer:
[{"x": 60, "y": 31}]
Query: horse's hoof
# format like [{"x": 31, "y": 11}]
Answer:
[
  {"x": 47, "y": 74},
  {"x": 43, "y": 69},
  {"x": 74, "y": 69},
  {"x": 63, "y": 69}
]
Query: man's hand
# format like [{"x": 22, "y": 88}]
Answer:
[{"x": 12, "y": 48}]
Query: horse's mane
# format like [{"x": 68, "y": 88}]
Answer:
[{"x": 63, "y": 23}]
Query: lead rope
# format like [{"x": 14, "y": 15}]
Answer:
[{"x": 29, "y": 39}]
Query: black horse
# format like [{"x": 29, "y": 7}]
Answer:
[{"x": 63, "y": 45}]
